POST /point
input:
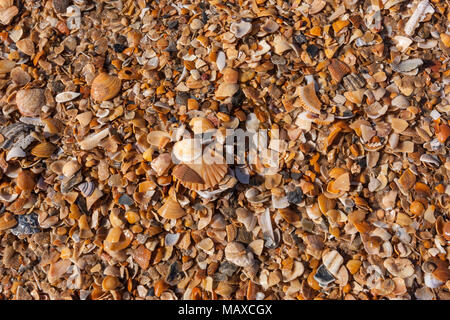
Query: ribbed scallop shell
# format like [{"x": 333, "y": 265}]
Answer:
[
  {"x": 200, "y": 176},
  {"x": 307, "y": 99},
  {"x": 105, "y": 87}
]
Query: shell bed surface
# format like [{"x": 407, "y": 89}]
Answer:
[{"x": 96, "y": 95}]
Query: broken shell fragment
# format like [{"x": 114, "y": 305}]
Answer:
[
  {"x": 240, "y": 29},
  {"x": 236, "y": 253}
]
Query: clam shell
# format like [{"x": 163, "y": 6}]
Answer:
[
  {"x": 25, "y": 180},
  {"x": 332, "y": 260},
  {"x": 30, "y": 102},
  {"x": 19, "y": 76},
  {"x": 105, "y": 87},
  {"x": 70, "y": 168},
  {"x": 66, "y": 96},
  {"x": 171, "y": 209},
  {"x": 230, "y": 75},
  {"x": 187, "y": 150},
  {"x": 307, "y": 98},
  {"x": 43, "y": 150}
]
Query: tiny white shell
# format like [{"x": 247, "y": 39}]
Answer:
[{"x": 66, "y": 96}]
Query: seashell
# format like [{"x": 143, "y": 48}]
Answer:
[
  {"x": 43, "y": 150},
  {"x": 84, "y": 118},
  {"x": 201, "y": 125},
  {"x": 265, "y": 47},
  {"x": 270, "y": 26},
  {"x": 247, "y": 218},
  {"x": 307, "y": 98},
  {"x": 402, "y": 43},
  {"x": 281, "y": 45},
  {"x": 86, "y": 188},
  {"x": 158, "y": 138},
  {"x": 15, "y": 152},
  {"x": 265, "y": 222},
  {"x": 332, "y": 260},
  {"x": 105, "y": 87},
  {"x": 399, "y": 267},
  {"x": 26, "y": 46},
  {"x": 110, "y": 283},
  {"x": 398, "y": 125},
  {"x": 226, "y": 90},
  {"x": 171, "y": 210},
  {"x": 317, "y": 6},
  {"x": 66, "y": 96},
  {"x": 102, "y": 113},
  {"x": 355, "y": 96},
  {"x": 236, "y": 253},
  {"x": 422, "y": 9},
  {"x": 206, "y": 245},
  {"x": 221, "y": 61},
  {"x": 294, "y": 273},
  {"x": 187, "y": 150},
  {"x": 161, "y": 164},
  {"x": 7, "y": 14},
  {"x": 230, "y": 75},
  {"x": 407, "y": 65},
  {"x": 25, "y": 180},
  {"x": 91, "y": 199},
  {"x": 19, "y": 76},
  {"x": 85, "y": 230},
  {"x": 30, "y": 102},
  {"x": 446, "y": 231},
  {"x": 70, "y": 168},
  {"x": 338, "y": 70},
  {"x": 94, "y": 139},
  {"x": 240, "y": 29},
  {"x": 171, "y": 239},
  {"x": 6, "y": 66},
  {"x": 58, "y": 269},
  {"x": 431, "y": 281},
  {"x": 429, "y": 158},
  {"x": 400, "y": 101},
  {"x": 7, "y": 221},
  {"x": 443, "y": 132}
]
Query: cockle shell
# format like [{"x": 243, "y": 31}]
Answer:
[
  {"x": 105, "y": 87},
  {"x": 307, "y": 98},
  {"x": 30, "y": 102},
  {"x": 200, "y": 176},
  {"x": 171, "y": 209}
]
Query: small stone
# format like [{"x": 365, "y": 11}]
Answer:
[
  {"x": 295, "y": 196},
  {"x": 126, "y": 200},
  {"x": 26, "y": 224}
]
